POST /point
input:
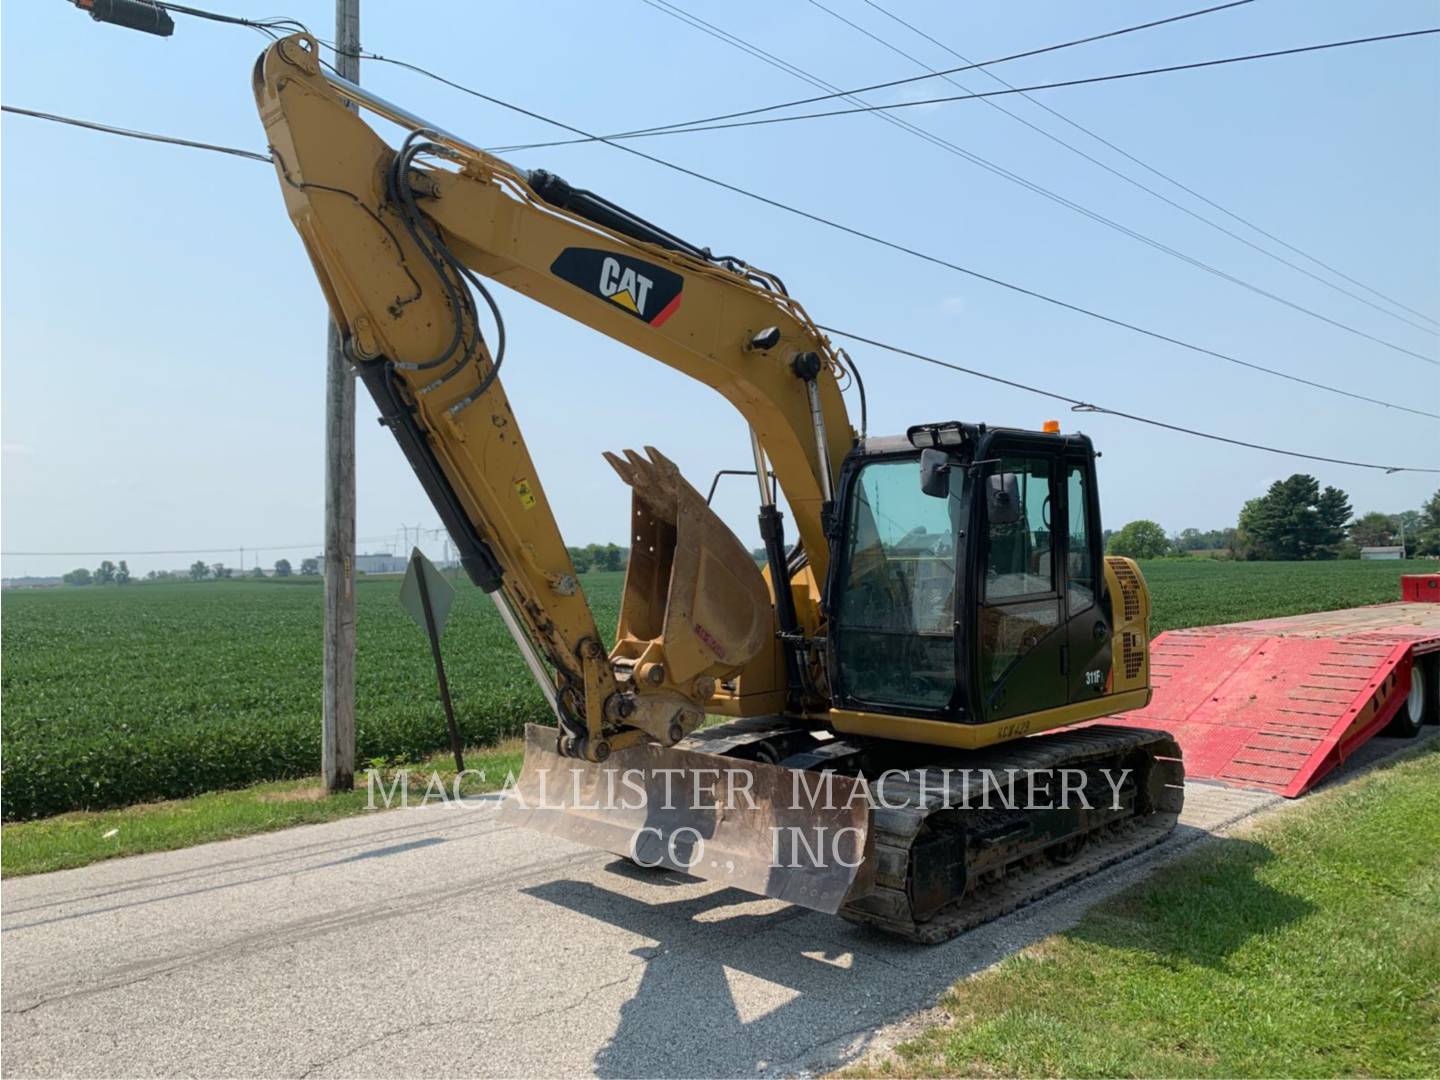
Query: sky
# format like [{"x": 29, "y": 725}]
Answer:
[{"x": 162, "y": 333}]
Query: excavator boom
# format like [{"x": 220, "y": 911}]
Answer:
[{"x": 398, "y": 239}]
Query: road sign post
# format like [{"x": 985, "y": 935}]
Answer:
[{"x": 427, "y": 596}]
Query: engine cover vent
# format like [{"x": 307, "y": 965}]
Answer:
[
  {"x": 1129, "y": 586},
  {"x": 1132, "y": 653}
]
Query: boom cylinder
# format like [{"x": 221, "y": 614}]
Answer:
[{"x": 807, "y": 368}]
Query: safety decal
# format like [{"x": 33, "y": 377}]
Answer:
[{"x": 527, "y": 497}]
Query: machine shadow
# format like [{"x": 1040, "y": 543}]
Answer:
[
  {"x": 705, "y": 1004},
  {"x": 1200, "y": 911}
]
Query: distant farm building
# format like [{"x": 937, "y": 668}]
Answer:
[
  {"x": 383, "y": 563},
  {"x": 1396, "y": 552}
]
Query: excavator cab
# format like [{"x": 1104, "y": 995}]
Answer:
[{"x": 967, "y": 583}]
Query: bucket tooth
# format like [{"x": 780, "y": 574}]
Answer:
[{"x": 622, "y": 467}]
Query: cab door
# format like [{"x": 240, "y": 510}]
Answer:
[
  {"x": 892, "y": 635},
  {"x": 1020, "y": 629},
  {"x": 1087, "y": 616}
]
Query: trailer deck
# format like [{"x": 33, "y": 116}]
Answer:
[{"x": 1276, "y": 704}]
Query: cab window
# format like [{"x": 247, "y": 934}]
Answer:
[
  {"x": 1079, "y": 559},
  {"x": 1021, "y": 608},
  {"x": 1019, "y": 559},
  {"x": 896, "y": 612}
]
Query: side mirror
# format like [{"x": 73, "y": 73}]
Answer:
[
  {"x": 935, "y": 473},
  {"x": 1003, "y": 502}
]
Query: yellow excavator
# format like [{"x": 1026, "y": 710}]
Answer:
[{"x": 944, "y": 600}]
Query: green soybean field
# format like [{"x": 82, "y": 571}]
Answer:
[
  {"x": 1200, "y": 592},
  {"x": 117, "y": 695}
]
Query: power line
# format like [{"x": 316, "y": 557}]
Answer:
[
  {"x": 587, "y": 138},
  {"x": 271, "y": 27},
  {"x": 132, "y": 134},
  {"x": 150, "y": 137},
  {"x": 683, "y": 129},
  {"x": 903, "y": 249},
  {"x": 185, "y": 551},
  {"x": 916, "y": 78},
  {"x": 879, "y": 112},
  {"x": 173, "y": 140},
  {"x": 1102, "y": 164},
  {"x": 1085, "y": 406},
  {"x": 987, "y": 65},
  {"x": 1074, "y": 402},
  {"x": 1171, "y": 180},
  {"x": 730, "y": 39}
]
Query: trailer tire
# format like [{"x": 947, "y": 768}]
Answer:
[
  {"x": 1430, "y": 665},
  {"x": 1422, "y": 704}
]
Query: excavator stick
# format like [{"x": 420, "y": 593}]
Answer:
[{"x": 800, "y": 837}]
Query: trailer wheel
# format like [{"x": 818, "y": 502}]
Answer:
[
  {"x": 1430, "y": 665},
  {"x": 1422, "y": 704}
]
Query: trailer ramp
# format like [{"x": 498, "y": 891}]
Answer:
[{"x": 1276, "y": 704}]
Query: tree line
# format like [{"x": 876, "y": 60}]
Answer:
[
  {"x": 590, "y": 557},
  {"x": 107, "y": 573},
  {"x": 599, "y": 557},
  {"x": 1296, "y": 519},
  {"x": 111, "y": 573}
]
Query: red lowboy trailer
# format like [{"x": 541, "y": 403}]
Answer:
[{"x": 1276, "y": 704}]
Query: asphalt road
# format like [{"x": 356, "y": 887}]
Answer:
[{"x": 441, "y": 942}]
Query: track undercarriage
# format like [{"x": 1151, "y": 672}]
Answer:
[
  {"x": 900, "y": 836},
  {"x": 953, "y": 842}
]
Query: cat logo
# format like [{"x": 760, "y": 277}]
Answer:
[
  {"x": 650, "y": 293},
  {"x": 626, "y": 287}
]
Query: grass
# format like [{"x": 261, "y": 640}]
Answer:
[
  {"x": 83, "y": 837},
  {"x": 1308, "y": 947}
]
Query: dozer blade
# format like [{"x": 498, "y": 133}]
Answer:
[{"x": 800, "y": 837}]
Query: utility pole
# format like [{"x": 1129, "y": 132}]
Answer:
[{"x": 337, "y": 747}]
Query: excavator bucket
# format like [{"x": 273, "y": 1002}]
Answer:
[
  {"x": 696, "y": 609},
  {"x": 801, "y": 837},
  {"x": 695, "y": 603}
]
